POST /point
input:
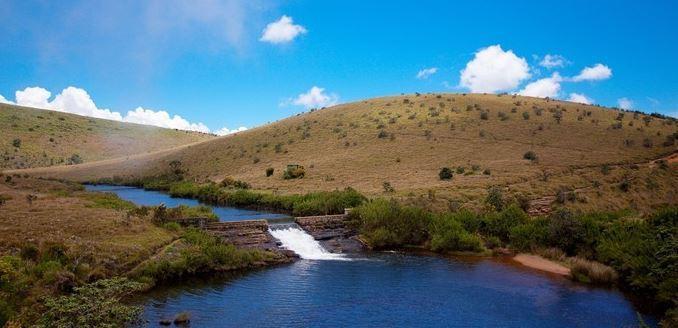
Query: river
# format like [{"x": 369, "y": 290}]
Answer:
[{"x": 377, "y": 289}]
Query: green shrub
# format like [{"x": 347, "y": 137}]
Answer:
[
  {"x": 529, "y": 235},
  {"x": 385, "y": 223},
  {"x": 93, "y": 305},
  {"x": 448, "y": 234},
  {"x": 269, "y": 171},
  {"x": 495, "y": 198},
  {"x": 500, "y": 224},
  {"x": 445, "y": 173}
]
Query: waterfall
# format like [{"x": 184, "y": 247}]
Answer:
[{"x": 297, "y": 240}]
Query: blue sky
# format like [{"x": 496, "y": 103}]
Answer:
[{"x": 213, "y": 63}]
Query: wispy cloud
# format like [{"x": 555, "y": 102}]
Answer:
[{"x": 426, "y": 73}]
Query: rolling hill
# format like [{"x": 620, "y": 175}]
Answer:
[
  {"x": 37, "y": 138},
  {"x": 587, "y": 156}
]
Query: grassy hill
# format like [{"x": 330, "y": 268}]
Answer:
[
  {"x": 586, "y": 156},
  {"x": 35, "y": 138}
]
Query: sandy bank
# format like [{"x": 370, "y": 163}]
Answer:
[{"x": 540, "y": 263}]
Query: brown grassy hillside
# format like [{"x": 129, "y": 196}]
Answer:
[
  {"x": 601, "y": 154},
  {"x": 48, "y": 138}
]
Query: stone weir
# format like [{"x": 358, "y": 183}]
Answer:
[
  {"x": 332, "y": 231},
  {"x": 245, "y": 234}
]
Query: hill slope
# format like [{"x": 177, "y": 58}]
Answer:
[
  {"x": 35, "y": 137},
  {"x": 406, "y": 140}
]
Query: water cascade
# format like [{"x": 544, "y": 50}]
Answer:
[{"x": 297, "y": 240}]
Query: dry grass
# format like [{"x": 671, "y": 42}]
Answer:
[
  {"x": 592, "y": 272},
  {"x": 61, "y": 215},
  {"x": 52, "y": 138},
  {"x": 340, "y": 147}
]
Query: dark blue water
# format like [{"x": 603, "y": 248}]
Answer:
[
  {"x": 143, "y": 197},
  {"x": 381, "y": 290},
  {"x": 392, "y": 290}
]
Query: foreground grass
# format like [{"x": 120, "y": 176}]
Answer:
[{"x": 58, "y": 251}]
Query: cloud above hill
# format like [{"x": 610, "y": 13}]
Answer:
[
  {"x": 595, "y": 73},
  {"x": 426, "y": 73},
  {"x": 494, "y": 70},
  {"x": 547, "y": 87},
  {"x": 625, "y": 103},
  {"x": 77, "y": 101},
  {"x": 314, "y": 98},
  {"x": 580, "y": 98},
  {"x": 282, "y": 31}
]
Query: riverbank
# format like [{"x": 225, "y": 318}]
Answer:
[
  {"x": 56, "y": 239},
  {"x": 539, "y": 263}
]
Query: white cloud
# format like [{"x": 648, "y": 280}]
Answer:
[
  {"x": 224, "y": 131},
  {"x": 426, "y": 73},
  {"x": 78, "y": 101},
  {"x": 625, "y": 103},
  {"x": 553, "y": 61},
  {"x": 281, "y": 31},
  {"x": 580, "y": 98},
  {"x": 315, "y": 97},
  {"x": 493, "y": 69},
  {"x": 546, "y": 87},
  {"x": 595, "y": 73},
  {"x": 5, "y": 101},
  {"x": 163, "y": 119},
  {"x": 33, "y": 97}
]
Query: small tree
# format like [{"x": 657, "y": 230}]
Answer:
[
  {"x": 495, "y": 198},
  {"x": 445, "y": 173},
  {"x": 30, "y": 198},
  {"x": 526, "y": 115},
  {"x": 16, "y": 142},
  {"x": 484, "y": 116},
  {"x": 75, "y": 159},
  {"x": 269, "y": 171},
  {"x": 387, "y": 187},
  {"x": 530, "y": 155}
]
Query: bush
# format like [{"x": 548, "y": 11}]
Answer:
[
  {"x": 297, "y": 172},
  {"x": 93, "y": 305},
  {"x": 526, "y": 115},
  {"x": 530, "y": 155},
  {"x": 269, "y": 171},
  {"x": 592, "y": 272},
  {"x": 16, "y": 143},
  {"x": 484, "y": 116},
  {"x": 385, "y": 223},
  {"x": 460, "y": 169},
  {"x": 382, "y": 134},
  {"x": 529, "y": 235},
  {"x": 495, "y": 198},
  {"x": 500, "y": 224},
  {"x": 448, "y": 234},
  {"x": 445, "y": 173},
  {"x": 229, "y": 182}
]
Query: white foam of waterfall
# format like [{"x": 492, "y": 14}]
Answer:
[{"x": 297, "y": 240}]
